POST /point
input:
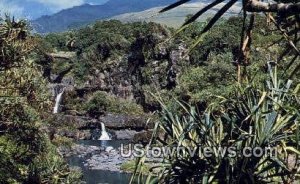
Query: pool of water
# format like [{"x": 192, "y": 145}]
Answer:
[{"x": 98, "y": 176}]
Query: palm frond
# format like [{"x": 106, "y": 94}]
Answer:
[
  {"x": 202, "y": 11},
  {"x": 174, "y": 5}
]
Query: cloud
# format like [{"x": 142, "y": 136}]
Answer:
[
  {"x": 6, "y": 6},
  {"x": 59, "y": 4}
]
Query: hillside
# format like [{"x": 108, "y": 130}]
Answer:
[
  {"x": 123, "y": 10},
  {"x": 175, "y": 17},
  {"x": 82, "y": 15},
  {"x": 77, "y": 106}
]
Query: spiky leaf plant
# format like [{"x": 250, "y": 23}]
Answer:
[{"x": 234, "y": 131}]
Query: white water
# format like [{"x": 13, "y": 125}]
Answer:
[
  {"x": 104, "y": 135},
  {"x": 57, "y": 102}
]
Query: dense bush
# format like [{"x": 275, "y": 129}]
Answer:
[
  {"x": 202, "y": 83},
  {"x": 102, "y": 102},
  {"x": 109, "y": 46},
  {"x": 98, "y": 104},
  {"x": 57, "y": 41},
  {"x": 26, "y": 153}
]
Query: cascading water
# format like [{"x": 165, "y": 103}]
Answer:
[
  {"x": 104, "y": 135},
  {"x": 57, "y": 102}
]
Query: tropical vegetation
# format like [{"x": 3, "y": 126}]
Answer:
[
  {"x": 227, "y": 82},
  {"x": 259, "y": 113},
  {"x": 27, "y": 154}
]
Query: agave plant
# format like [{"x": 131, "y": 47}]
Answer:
[
  {"x": 265, "y": 118},
  {"x": 268, "y": 119}
]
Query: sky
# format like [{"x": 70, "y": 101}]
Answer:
[{"x": 32, "y": 9}]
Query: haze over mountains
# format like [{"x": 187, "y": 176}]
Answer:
[
  {"x": 124, "y": 10},
  {"x": 176, "y": 17}
]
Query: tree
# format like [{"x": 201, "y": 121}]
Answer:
[
  {"x": 284, "y": 14},
  {"x": 26, "y": 152},
  {"x": 254, "y": 115}
]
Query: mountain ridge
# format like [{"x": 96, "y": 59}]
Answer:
[
  {"x": 87, "y": 13},
  {"x": 176, "y": 17}
]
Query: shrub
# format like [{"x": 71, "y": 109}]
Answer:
[
  {"x": 98, "y": 104},
  {"x": 200, "y": 83},
  {"x": 102, "y": 102}
]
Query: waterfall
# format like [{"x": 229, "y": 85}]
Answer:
[
  {"x": 57, "y": 102},
  {"x": 104, "y": 134}
]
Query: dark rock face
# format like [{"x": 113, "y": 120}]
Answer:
[
  {"x": 55, "y": 89},
  {"x": 75, "y": 134},
  {"x": 119, "y": 122},
  {"x": 173, "y": 69},
  {"x": 76, "y": 122},
  {"x": 111, "y": 121},
  {"x": 125, "y": 134},
  {"x": 74, "y": 126},
  {"x": 144, "y": 64},
  {"x": 121, "y": 127},
  {"x": 142, "y": 137},
  {"x": 147, "y": 64}
]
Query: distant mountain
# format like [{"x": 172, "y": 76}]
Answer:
[
  {"x": 126, "y": 11},
  {"x": 175, "y": 17},
  {"x": 86, "y": 13}
]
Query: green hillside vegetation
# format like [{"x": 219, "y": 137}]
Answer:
[
  {"x": 260, "y": 112},
  {"x": 27, "y": 154},
  {"x": 210, "y": 69},
  {"x": 173, "y": 18},
  {"x": 139, "y": 68}
]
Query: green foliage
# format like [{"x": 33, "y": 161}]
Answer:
[
  {"x": 254, "y": 116},
  {"x": 24, "y": 103},
  {"x": 98, "y": 104},
  {"x": 129, "y": 167},
  {"x": 52, "y": 168},
  {"x": 220, "y": 39},
  {"x": 210, "y": 71},
  {"x": 15, "y": 42},
  {"x": 71, "y": 101},
  {"x": 251, "y": 116},
  {"x": 114, "y": 34},
  {"x": 57, "y": 41},
  {"x": 204, "y": 82},
  {"x": 102, "y": 102},
  {"x": 102, "y": 45},
  {"x": 60, "y": 65}
]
